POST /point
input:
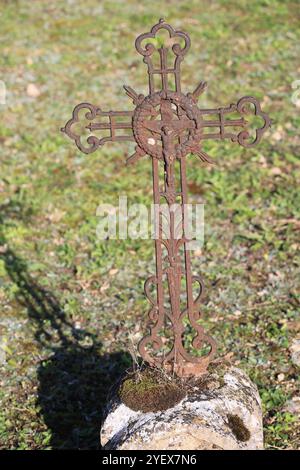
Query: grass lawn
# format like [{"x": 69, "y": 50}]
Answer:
[{"x": 70, "y": 303}]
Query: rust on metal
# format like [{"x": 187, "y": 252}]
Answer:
[{"x": 168, "y": 125}]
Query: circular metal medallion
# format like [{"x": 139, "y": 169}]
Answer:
[{"x": 167, "y": 110}]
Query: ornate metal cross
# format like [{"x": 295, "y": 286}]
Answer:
[{"x": 167, "y": 125}]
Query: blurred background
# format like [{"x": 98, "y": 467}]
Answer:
[{"x": 72, "y": 304}]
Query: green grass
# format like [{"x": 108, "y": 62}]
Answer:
[{"x": 66, "y": 313}]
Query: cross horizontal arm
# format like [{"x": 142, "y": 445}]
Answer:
[
  {"x": 110, "y": 122},
  {"x": 223, "y": 123}
]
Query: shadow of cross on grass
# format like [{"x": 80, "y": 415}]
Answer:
[{"x": 73, "y": 379}]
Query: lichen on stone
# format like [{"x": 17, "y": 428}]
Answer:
[
  {"x": 219, "y": 369},
  {"x": 238, "y": 428},
  {"x": 214, "y": 377}
]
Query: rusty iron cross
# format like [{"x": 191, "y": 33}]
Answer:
[{"x": 168, "y": 125}]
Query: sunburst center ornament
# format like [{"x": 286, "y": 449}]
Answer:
[{"x": 168, "y": 126}]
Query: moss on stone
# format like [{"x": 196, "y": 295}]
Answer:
[
  {"x": 150, "y": 390},
  {"x": 238, "y": 428}
]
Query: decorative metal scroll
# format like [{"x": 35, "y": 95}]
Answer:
[{"x": 168, "y": 125}]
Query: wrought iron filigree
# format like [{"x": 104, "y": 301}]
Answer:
[{"x": 168, "y": 125}]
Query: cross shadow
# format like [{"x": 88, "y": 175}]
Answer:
[{"x": 74, "y": 379}]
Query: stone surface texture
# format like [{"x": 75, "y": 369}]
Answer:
[{"x": 199, "y": 421}]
